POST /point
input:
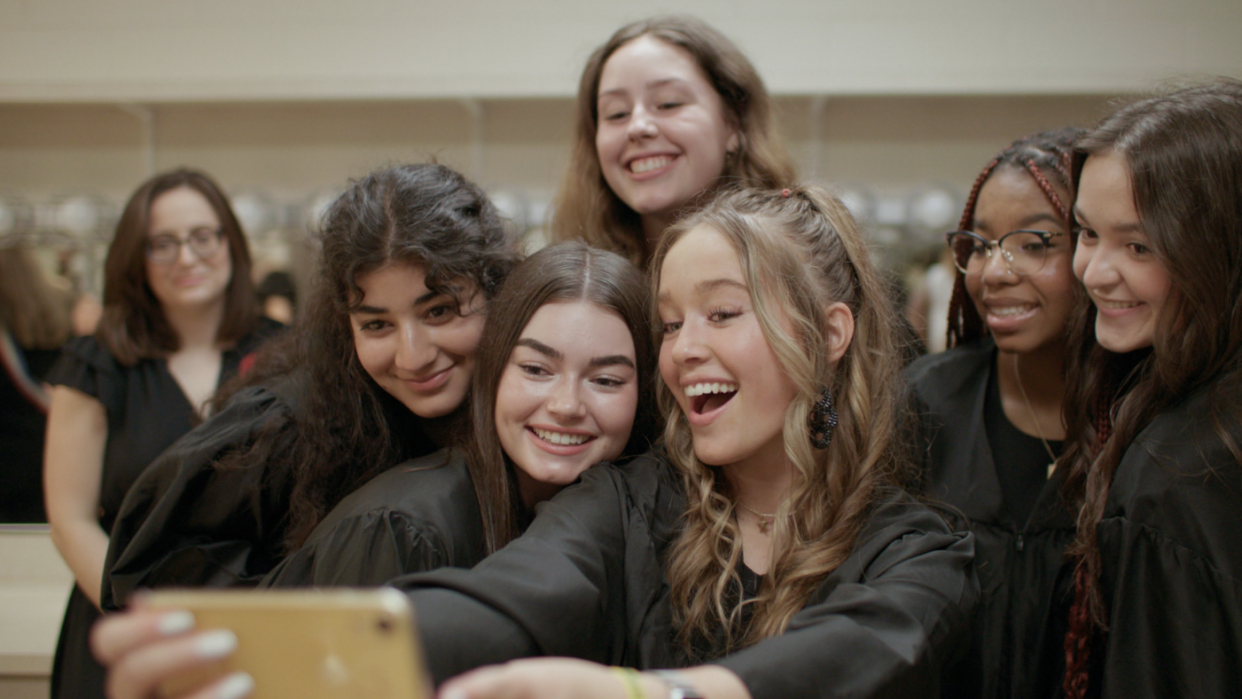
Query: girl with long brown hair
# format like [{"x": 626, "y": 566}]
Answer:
[
  {"x": 564, "y": 381},
  {"x": 1155, "y": 451},
  {"x": 988, "y": 410},
  {"x": 668, "y": 110}
]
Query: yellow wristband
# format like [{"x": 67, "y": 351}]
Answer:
[{"x": 629, "y": 678}]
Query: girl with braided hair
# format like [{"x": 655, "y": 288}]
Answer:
[
  {"x": 1155, "y": 429},
  {"x": 987, "y": 412}
]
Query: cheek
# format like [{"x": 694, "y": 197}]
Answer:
[
  {"x": 615, "y": 414},
  {"x": 668, "y": 370},
  {"x": 974, "y": 288},
  {"x": 372, "y": 356},
  {"x": 1082, "y": 258}
]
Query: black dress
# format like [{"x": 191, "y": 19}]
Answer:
[
  {"x": 146, "y": 412},
  {"x": 587, "y": 580},
  {"x": 23, "y": 427},
  {"x": 1171, "y": 543},
  {"x": 420, "y": 515},
  {"x": 1021, "y": 616},
  {"x": 188, "y": 523}
]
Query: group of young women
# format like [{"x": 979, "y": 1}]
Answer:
[{"x": 436, "y": 418}]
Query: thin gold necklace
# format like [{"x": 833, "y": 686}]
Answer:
[
  {"x": 765, "y": 519},
  {"x": 1018, "y": 375}
]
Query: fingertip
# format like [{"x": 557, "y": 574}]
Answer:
[{"x": 235, "y": 686}]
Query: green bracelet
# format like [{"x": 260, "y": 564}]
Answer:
[
  {"x": 678, "y": 686},
  {"x": 629, "y": 678}
]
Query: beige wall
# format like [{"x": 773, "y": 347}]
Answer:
[{"x": 127, "y": 50}]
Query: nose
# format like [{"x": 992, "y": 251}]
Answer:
[
  {"x": 416, "y": 348},
  {"x": 996, "y": 266},
  {"x": 688, "y": 346},
  {"x": 186, "y": 254},
  {"x": 1098, "y": 270},
  {"x": 642, "y": 125},
  {"x": 565, "y": 399}
]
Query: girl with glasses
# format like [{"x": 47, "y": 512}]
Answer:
[
  {"x": 178, "y": 317},
  {"x": 987, "y": 411}
]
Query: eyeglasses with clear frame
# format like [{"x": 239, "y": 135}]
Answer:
[
  {"x": 1024, "y": 251},
  {"x": 165, "y": 249}
]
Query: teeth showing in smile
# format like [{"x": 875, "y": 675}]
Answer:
[
  {"x": 1004, "y": 311},
  {"x": 560, "y": 437},
  {"x": 647, "y": 164},
  {"x": 700, "y": 389},
  {"x": 1116, "y": 305}
]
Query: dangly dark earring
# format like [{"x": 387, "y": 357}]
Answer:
[{"x": 822, "y": 419}]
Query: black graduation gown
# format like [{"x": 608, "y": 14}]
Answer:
[
  {"x": 587, "y": 580},
  {"x": 1021, "y": 617},
  {"x": 417, "y": 516},
  {"x": 1171, "y": 541},
  {"x": 187, "y": 523}
]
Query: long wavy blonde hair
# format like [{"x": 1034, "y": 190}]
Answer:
[{"x": 799, "y": 253}]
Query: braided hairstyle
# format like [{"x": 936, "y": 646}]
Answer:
[
  {"x": 1183, "y": 150},
  {"x": 1046, "y": 157}
]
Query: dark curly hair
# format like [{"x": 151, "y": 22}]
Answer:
[{"x": 347, "y": 428}]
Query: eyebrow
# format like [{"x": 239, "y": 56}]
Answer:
[
  {"x": 707, "y": 285},
  {"x": 609, "y": 360},
  {"x": 1026, "y": 222},
  {"x": 653, "y": 84},
  {"x": 1135, "y": 227},
  {"x": 376, "y": 310}
]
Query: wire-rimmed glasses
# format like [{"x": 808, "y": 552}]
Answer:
[{"x": 1024, "y": 251}]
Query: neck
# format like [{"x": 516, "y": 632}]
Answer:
[
  {"x": 1041, "y": 376},
  {"x": 653, "y": 227},
  {"x": 196, "y": 326},
  {"x": 534, "y": 492},
  {"x": 760, "y": 487}
]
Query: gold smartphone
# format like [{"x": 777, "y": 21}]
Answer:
[{"x": 309, "y": 644}]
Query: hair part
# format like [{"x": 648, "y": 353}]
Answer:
[
  {"x": 586, "y": 207},
  {"x": 1183, "y": 149},
  {"x": 133, "y": 325},
  {"x": 798, "y": 254},
  {"x": 569, "y": 271},
  {"x": 1045, "y": 156},
  {"x": 348, "y": 428}
]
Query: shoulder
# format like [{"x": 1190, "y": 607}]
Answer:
[
  {"x": 951, "y": 369},
  {"x": 427, "y": 489},
  {"x": 900, "y": 527},
  {"x": 1181, "y": 481},
  {"x": 86, "y": 352}
]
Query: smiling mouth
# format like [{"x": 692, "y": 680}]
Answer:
[
  {"x": 1117, "y": 305},
  {"x": 563, "y": 439},
  {"x": 654, "y": 162},
  {"x": 707, "y": 397},
  {"x": 1010, "y": 311}
]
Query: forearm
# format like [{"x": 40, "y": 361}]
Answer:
[{"x": 83, "y": 545}]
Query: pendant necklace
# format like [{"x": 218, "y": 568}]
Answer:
[
  {"x": 765, "y": 519},
  {"x": 1047, "y": 447}
]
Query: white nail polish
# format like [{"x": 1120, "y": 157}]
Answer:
[
  {"x": 453, "y": 693},
  {"x": 235, "y": 686},
  {"x": 174, "y": 623},
  {"x": 216, "y": 644}
]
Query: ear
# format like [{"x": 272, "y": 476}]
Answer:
[
  {"x": 734, "y": 142},
  {"x": 838, "y": 330}
]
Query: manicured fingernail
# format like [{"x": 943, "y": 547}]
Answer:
[
  {"x": 454, "y": 693},
  {"x": 216, "y": 644},
  {"x": 235, "y": 686},
  {"x": 174, "y": 623}
]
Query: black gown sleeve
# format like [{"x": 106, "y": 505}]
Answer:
[
  {"x": 417, "y": 516},
  {"x": 884, "y": 624},
  {"x": 186, "y": 522},
  {"x": 551, "y": 591}
]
